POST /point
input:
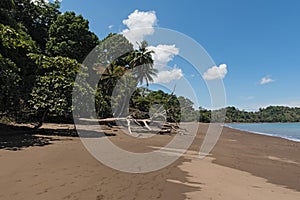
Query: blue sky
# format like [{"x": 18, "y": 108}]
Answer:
[{"x": 259, "y": 41}]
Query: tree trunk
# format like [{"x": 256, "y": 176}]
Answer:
[{"x": 42, "y": 120}]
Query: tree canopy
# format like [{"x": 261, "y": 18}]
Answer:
[{"x": 69, "y": 36}]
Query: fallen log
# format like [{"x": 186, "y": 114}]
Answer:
[{"x": 164, "y": 127}]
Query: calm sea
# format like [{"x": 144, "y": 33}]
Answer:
[{"x": 289, "y": 131}]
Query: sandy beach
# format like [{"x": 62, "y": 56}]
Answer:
[{"x": 241, "y": 166}]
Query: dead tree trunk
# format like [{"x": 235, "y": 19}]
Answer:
[{"x": 165, "y": 128}]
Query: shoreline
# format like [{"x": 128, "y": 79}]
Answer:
[
  {"x": 241, "y": 166},
  {"x": 262, "y": 133}
]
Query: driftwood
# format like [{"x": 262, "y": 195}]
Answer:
[{"x": 163, "y": 127}]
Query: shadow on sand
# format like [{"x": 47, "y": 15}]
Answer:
[{"x": 16, "y": 138}]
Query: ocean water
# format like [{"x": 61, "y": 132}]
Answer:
[{"x": 289, "y": 131}]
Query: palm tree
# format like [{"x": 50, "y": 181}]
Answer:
[{"x": 141, "y": 63}]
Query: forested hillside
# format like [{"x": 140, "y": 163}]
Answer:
[{"x": 268, "y": 114}]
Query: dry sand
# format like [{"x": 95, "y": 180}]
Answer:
[{"x": 241, "y": 166}]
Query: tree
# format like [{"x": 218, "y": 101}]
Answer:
[
  {"x": 128, "y": 70},
  {"x": 158, "y": 103},
  {"x": 113, "y": 50},
  {"x": 204, "y": 115},
  {"x": 9, "y": 82},
  {"x": 52, "y": 93},
  {"x": 69, "y": 36},
  {"x": 108, "y": 60},
  {"x": 16, "y": 70},
  {"x": 140, "y": 102},
  {"x": 37, "y": 17},
  {"x": 141, "y": 63},
  {"x": 187, "y": 111},
  {"x": 24, "y": 30},
  {"x": 111, "y": 63}
]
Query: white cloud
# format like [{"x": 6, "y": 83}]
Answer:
[
  {"x": 163, "y": 54},
  {"x": 110, "y": 26},
  {"x": 168, "y": 75},
  {"x": 139, "y": 24},
  {"x": 36, "y": 1},
  {"x": 266, "y": 80},
  {"x": 215, "y": 72}
]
